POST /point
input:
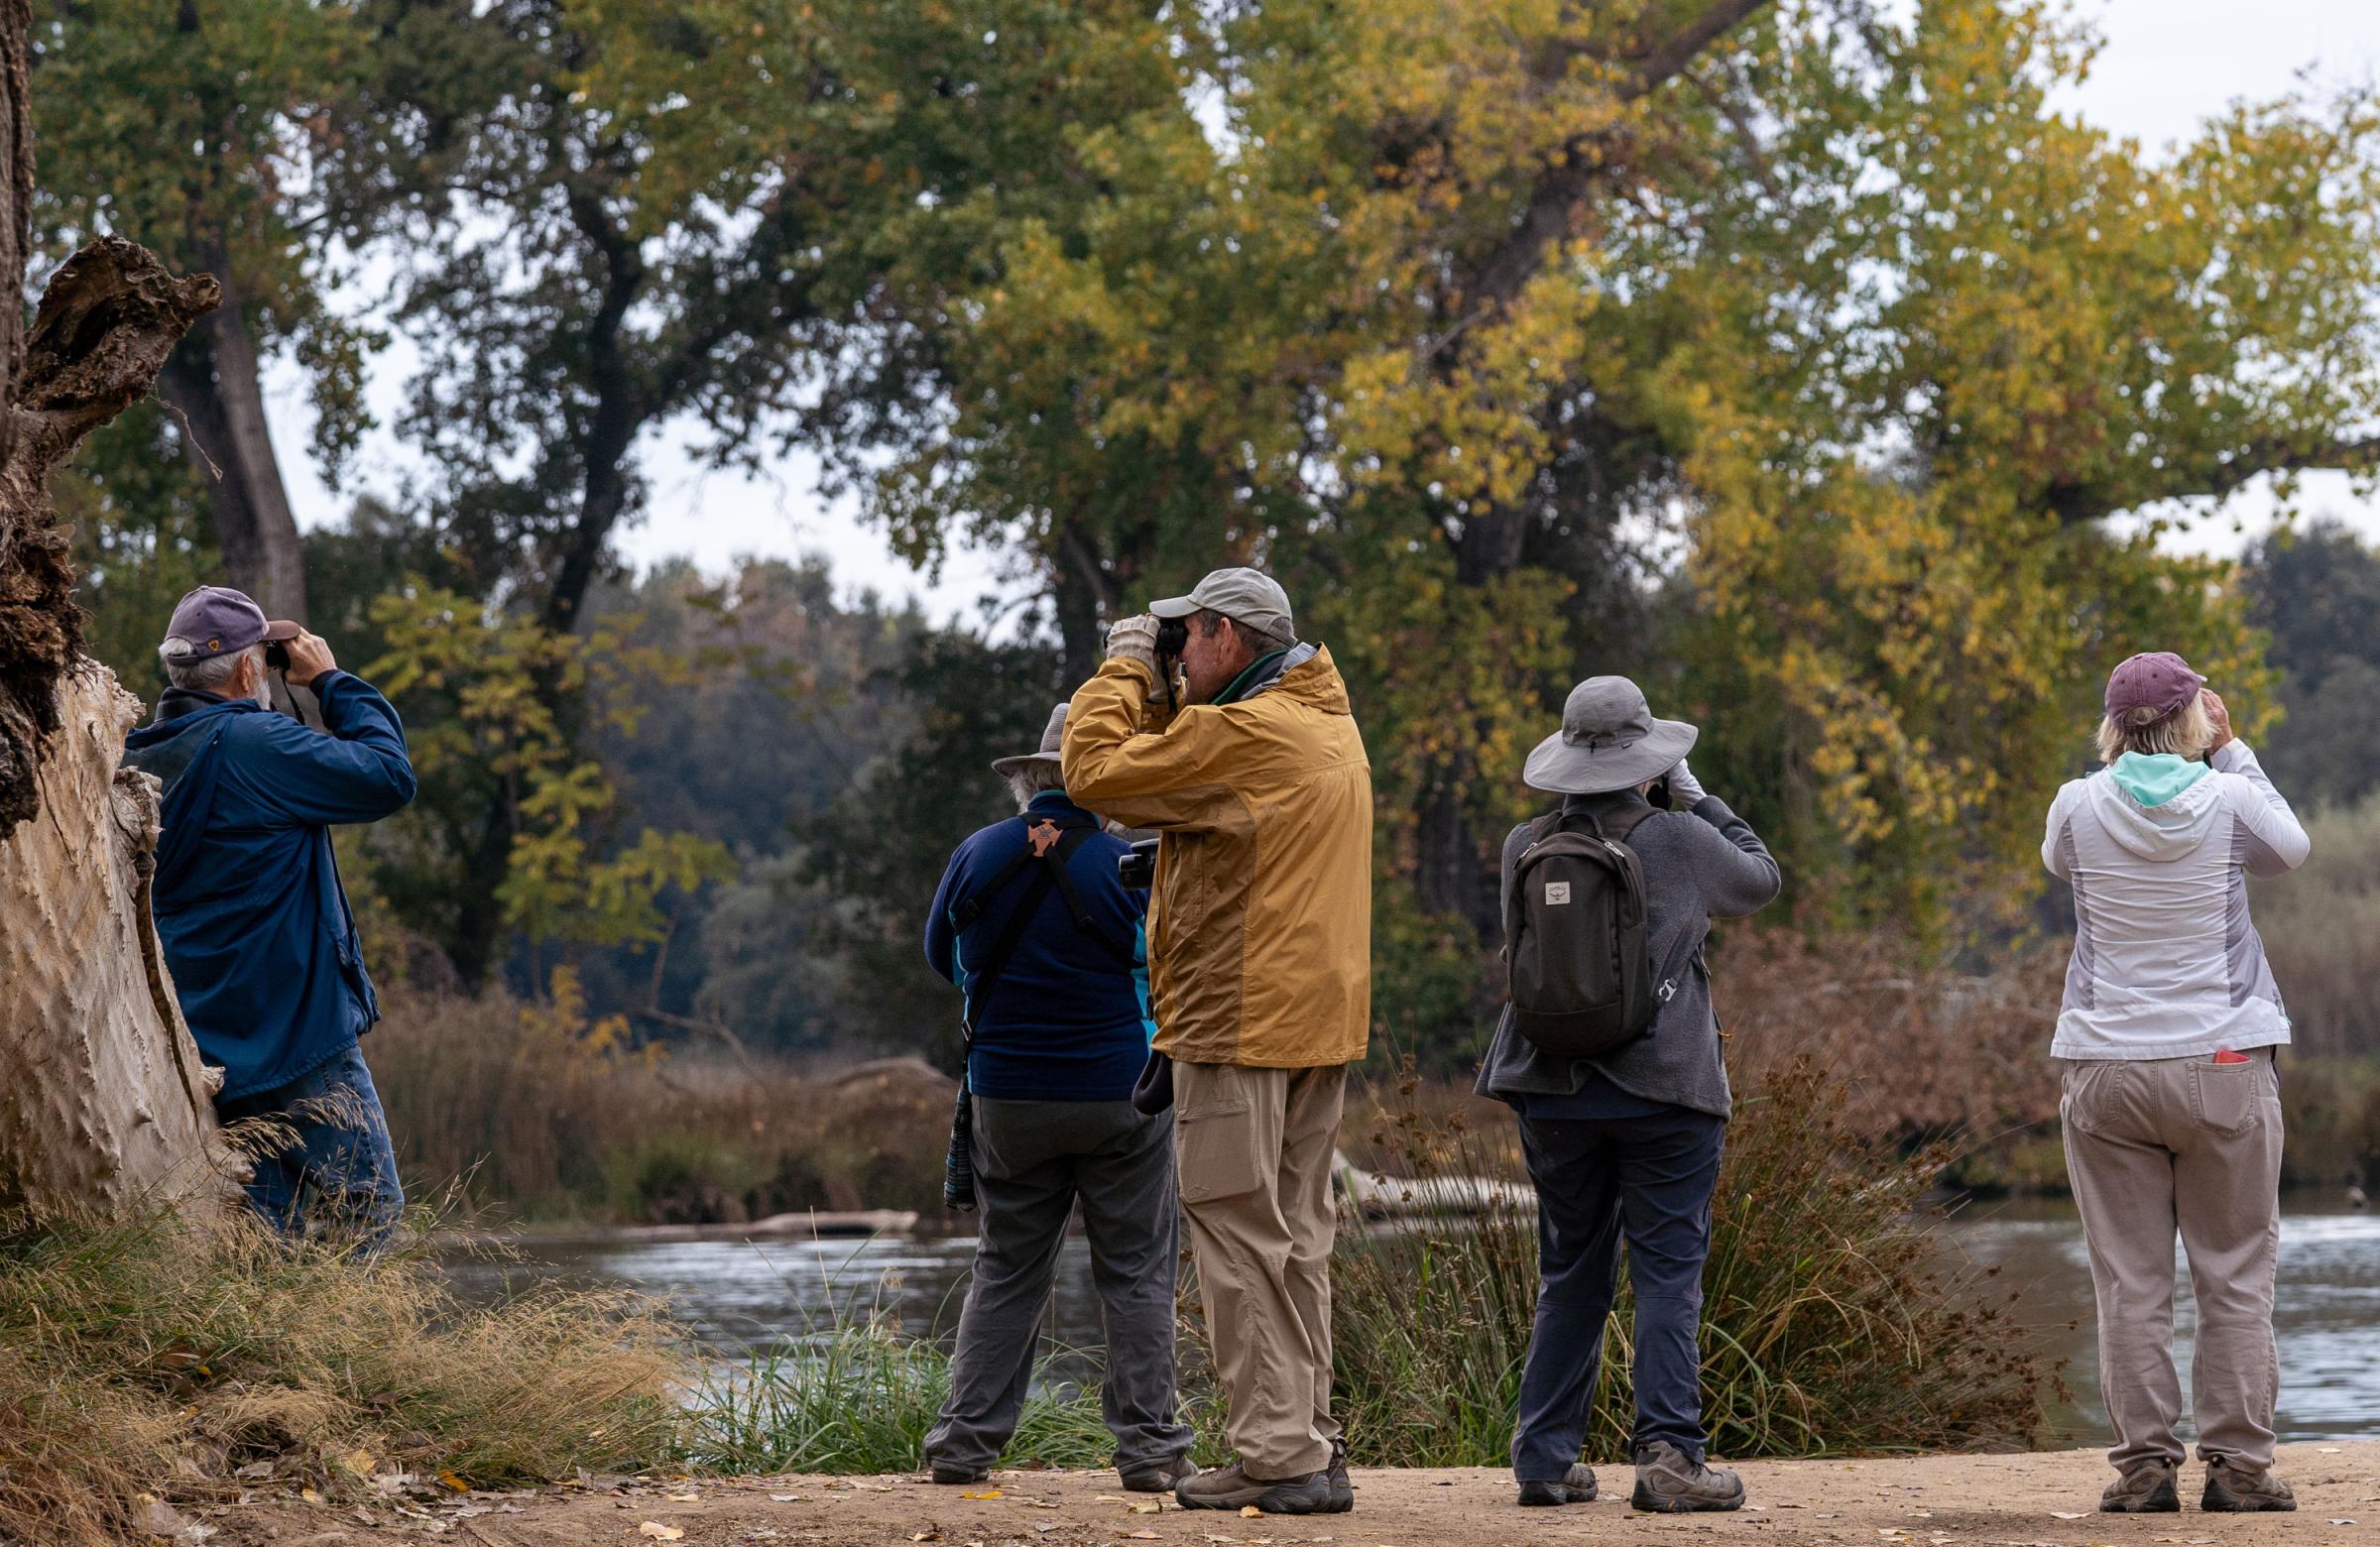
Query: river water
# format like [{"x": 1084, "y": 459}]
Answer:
[{"x": 735, "y": 1297}]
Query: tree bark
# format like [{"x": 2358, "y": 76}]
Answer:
[{"x": 102, "y": 1104}]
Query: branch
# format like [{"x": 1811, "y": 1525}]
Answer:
[
  {"x": 1552, "y": 207},
  {"x": 108, "y": 319},
  {"x": 2073, "y": 503}
]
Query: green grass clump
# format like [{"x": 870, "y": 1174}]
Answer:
[
  {"x": 156, "y": 1357},
  {"x": 859, "y": 1397}
]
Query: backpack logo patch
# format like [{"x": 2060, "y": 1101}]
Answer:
[{"x": 1556, "y": 893}]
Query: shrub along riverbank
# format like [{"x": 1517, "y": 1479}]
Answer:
[
  {"x": 143, "y": 1359},
  {"x": 1833, "y": 1325},
  {"x": 545, "y": 1113}
]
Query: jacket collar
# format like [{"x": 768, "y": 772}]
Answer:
[{"x": 1056, "y": 802}]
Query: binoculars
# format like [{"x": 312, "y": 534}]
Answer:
[{"x": 1138, "y": 869}]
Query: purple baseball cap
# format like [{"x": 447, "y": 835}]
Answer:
[
  {"x": 219, "y": 621},
  {"x": 2159, "y": 680}
]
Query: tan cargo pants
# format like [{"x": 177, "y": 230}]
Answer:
[
  {"x": 1255, "y": 1147},
  {"x": 2192, "y": 1146}
]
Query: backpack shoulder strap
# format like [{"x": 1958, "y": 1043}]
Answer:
[{"x": 1059, "y": 859}]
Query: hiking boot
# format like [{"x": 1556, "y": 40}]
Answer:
[
  {"x": 2232, "y": 1489},
  {"x": 1668, "y": 1481},
  {"x": 1162, "y": 1477},
  {"x": 1233, "y": 1488},
  {"x": 1342, "y": 1487},
  {"x": 2147, "y": 1488},
  {"x": 1577, "y": 1487},
  {"x": 951, "y": 1473}
]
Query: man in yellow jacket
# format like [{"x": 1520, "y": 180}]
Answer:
[{"x": 1249, "y": 766}]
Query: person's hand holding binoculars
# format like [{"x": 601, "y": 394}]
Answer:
[
  {"x": 1134, "y": 639},
  {"x": 301, "y": 658}
]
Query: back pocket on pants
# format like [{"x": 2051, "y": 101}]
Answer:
[
  {"x": 2225, "y": 1098},
  {"x": 1218, "y": 1151}
]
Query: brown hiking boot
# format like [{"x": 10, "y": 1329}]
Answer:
[
  {"x": 2146, "y": 1489},
  {"x": 1668, "y": 1481},
  {"x": 1342, "y": 1487},
  {"x": 2232, "y": 1489},
  {"x": 1233, "y": 1488}
]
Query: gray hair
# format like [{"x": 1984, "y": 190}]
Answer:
[
  {"x": 188, "y": 666},
  {"x": 1266, "y": 642},
  {"x": 1034, "y": 778}
]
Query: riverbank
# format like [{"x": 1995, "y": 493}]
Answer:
[{"x": 2027, "y": 1501}]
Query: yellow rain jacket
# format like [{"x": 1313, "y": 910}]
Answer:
[{"x": 1261, "y": 928}]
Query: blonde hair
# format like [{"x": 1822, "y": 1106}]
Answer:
[{"x": 2185, "y": 732}]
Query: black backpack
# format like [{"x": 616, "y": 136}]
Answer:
[{"x": 1577, "y": 953}]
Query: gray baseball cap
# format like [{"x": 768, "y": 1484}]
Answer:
[
  {"x": 219, "y": 621},
  {"x": 1241, "y": 595}
]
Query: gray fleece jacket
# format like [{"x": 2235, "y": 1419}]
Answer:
[{"x": 1698, "y": 866}]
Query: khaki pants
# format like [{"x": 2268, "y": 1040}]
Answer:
[
  {"x": 2192, "y": 1146},
  {"x": 1255, "y": 1185}
]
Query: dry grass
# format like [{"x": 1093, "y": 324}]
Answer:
[
  {"x": 553, "y": 1116},
  {"x": 160, "y": 1358}
]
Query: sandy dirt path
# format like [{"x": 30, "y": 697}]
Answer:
[{"x": 1934, "y": 1502}]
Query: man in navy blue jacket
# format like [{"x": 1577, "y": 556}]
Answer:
[
  {"x": 256, "y": 927},
  {"x": 1037, "y": 929}
]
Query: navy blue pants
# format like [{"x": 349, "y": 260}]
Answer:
[
  {"x": 1649, "y": 1179},
  {"x": 338, "y": 1170}
]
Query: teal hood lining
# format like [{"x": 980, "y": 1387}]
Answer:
[{"x": 2153, "y": 778}]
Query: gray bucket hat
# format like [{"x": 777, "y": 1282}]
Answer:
[
  {"x": 1053, "y": 737},
  {"x": 1609, "y": 741}
]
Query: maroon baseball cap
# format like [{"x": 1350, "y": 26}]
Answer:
[
  {"x": 219, "y": 621},
  {"x": 2159, "y": 680}
]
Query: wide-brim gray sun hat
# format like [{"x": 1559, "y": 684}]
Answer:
[
  {"x": 1609, "y": 741},
  {"x": 1053, "y": 737}
]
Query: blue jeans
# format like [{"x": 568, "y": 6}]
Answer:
[
  {"x": 1649, "y": 1179},
  {"x": 338, "y": 1173}
]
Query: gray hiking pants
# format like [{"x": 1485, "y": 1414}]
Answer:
[
  {"x": 1033, "y": 1159},
  {"x": 2192, "y": 1148}
]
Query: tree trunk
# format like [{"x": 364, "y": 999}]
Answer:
[
  {"x": 101, "y": 1102},
  {"x": 212, "y": 381}
]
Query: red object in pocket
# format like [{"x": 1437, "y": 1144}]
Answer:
[{"x": 2225, "y": 1055}]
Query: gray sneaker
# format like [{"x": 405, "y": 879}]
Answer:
[
  {"x": 1575, "y": 1487},
  {"x": 1668, "y": 1481},
  {"x": 1164, "y": 1477},
  {"x": 2232, "y": 1489},
  {"x": 2146, "y": 1489},
  {"x": 1233, "y": 1488}
]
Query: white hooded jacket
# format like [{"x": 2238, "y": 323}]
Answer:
[{"x": 2166, "y": 963}]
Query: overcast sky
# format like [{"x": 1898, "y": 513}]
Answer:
[{"x": 2168, "y": 65}]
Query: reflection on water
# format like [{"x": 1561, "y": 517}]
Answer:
[
  {"x": 2326, "y": 1312},
  {"x": 736, "y": 1296}
]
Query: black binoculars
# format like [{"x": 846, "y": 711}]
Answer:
[
  {"x": 1138, "y": 869},
  {"x": 1173, "y": 637}
]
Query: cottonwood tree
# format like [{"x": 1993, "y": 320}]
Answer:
[
  {"x": 189, "y": 127},
  {"x": 1430, "y": 305},
  {"x": 101, "y": 1095}
]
